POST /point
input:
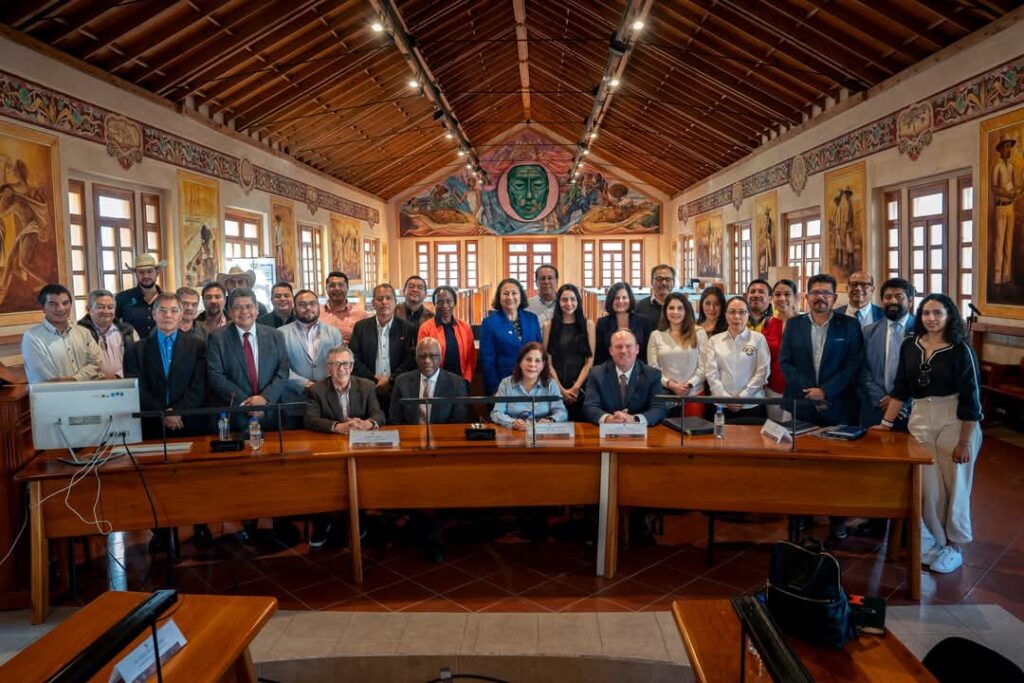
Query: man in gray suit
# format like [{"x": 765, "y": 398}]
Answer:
[
  {"x": 307, "y": 343},
  {"x": 429, "y": 381},
  {"x": 246, "y": 363}
]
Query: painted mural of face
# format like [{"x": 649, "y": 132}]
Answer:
[{"x": 528, "y": 190}]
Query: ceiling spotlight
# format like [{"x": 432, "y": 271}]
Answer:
[
  {"x": 586, "y": 151},
  {"x": 593, "y": 134},
  {"x": 377, "y": 27},
  {"x": 462, "y": 152},
  {"x": 572, "y": 181},
  {"x": 413, "y": 83},
  {"x": 638, "y": 25},
  {"x": 614, "y": 83},
  {"x": 469, "y": 166},
  {"x": 448, "y": 134}
]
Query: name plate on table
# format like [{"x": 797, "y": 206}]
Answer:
[
  {"x": 564, "y": 430},
  {"x": 632, "y": 430},
  {"x": 773, "y": 430},
  {"x": 375, "y": 437},
  {"x": 140, "y": 664}
]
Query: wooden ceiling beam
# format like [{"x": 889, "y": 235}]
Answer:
[
  {"x": 75, "y": 19},
  {"x": 940, "y": 31},
  {"x": 959, "y": 14},
  {"x": 23, "y": 15},
  {"x": 106, "y": 39},
  {"x": 523, "y": 55},
  {"x": 915, "y": 47}
]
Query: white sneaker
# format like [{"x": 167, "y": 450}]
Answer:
[
  {"x": 931, "y": 554},
  {"x": 949, "y": 560}
]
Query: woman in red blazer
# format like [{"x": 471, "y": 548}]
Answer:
[{"x": 458, "y": 352}]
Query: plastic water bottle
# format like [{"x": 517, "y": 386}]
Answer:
[
  {"x": 255, "y": 434},
  {"x": 719, "y": 422},
  {"x": 223, "y": 427}
]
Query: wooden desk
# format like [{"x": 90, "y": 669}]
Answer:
[
  {"x": 711, "y": 633},
  {"x": 15, "y": 450},
  {"x": 876, "y": 476},
  {"x": 218, "y": 629}
]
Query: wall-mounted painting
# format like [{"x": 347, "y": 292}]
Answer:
[
  {"x": 708, "y": 235},
  {"x": 345, "y": 253},
  {"x": 282, "y": 226},
  {"x": 766, "y": 232},
  {"x": 1000, "y": 282},
  {"x": 31, "y": 233},
  {"x": 528, "y": 192},
  {"x": 845, "y": 221},
  {"x": 202, "y": 238}
]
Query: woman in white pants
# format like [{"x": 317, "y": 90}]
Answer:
[{"x": 939, "y": 371}]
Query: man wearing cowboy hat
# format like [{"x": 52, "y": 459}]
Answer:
[
  {"x": 133, "y": 306},
  {"x": 1004, "y": 194},
  {"x": 235, "y": 278}
]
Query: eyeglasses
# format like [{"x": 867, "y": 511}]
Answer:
[
  {"x": 861, "y": 285},
  {"x": 925, "y": 376},
  {"x": 306, "y": 304},
  {"x": 663, "y": 278},
  {"x": 340, "y": 364}
]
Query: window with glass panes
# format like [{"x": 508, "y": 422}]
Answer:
[
  {"x": 742, "y": 256},
  {"x": 803, "y": 240},
  {"x": 965, "y": 239},
  {"x": 611, "y": 259},
  {"x": 892, "y": 234},
  {"x": 242, "y": 234},
  {"x": 522, "y": 258},
  {"x": 151, "y": 223},
  {"x": 115, "y": 229},
  {"x": 79, "y": 247},
  {"x": 928, "y": 237},
  {"x": 472, "y": 265},
  {"x": 446, "y": 264},
  {"x": 588, "y": 250},
  {"x": 311, "y": 256},
  {"x": 423, "y": 260},
  {"x": 636, "y": 263},
  {"x": 370, "y": 263},
  {"x": 689, "y": 258}
]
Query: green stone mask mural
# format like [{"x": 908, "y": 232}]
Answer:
[{"x": 528, "y": 190}]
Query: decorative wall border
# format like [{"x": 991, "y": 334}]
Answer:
[
  {"x": 129, "y": 141},
  {"x": 910, "y": 129}
]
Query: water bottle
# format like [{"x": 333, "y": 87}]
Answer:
[
  {"x": 255, "y": 434},
  {"x": 719, "y": 422},
  {"x": 223, "y": 427}
]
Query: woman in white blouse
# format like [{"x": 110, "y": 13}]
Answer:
[
  {"x": 675, "y": 349},
  {"x": 737, "y": 362}
]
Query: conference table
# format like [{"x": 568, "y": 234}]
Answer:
[{"x": 876, "y": 476}]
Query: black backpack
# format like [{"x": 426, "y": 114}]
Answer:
[{"x": 805, "y": 596}]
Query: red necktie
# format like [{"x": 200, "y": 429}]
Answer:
[{"x": 250, "y": 364}]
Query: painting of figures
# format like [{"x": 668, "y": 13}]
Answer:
[
  {"x": 1001, "y": 212},
  {"x": 845, "y": 220},
  {"x": 345, "y": 254},
  {"x": 709, "y": 244},
  {"x": 766, "y": 231},
  {"x": 282, "y": 227},
  {"x": 199, "y": 222},
  {"x": 31, "y": 235}
]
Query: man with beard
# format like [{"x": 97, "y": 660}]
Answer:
[
  {"x": 213, "y": 316},
  {"x": 189, "y": 299},
  {"x": 134, "y": 306},
  {"x": 337, "y": 312},
  {"x": 860, "y": 287},
  {"x": 663, "y": 281},
  {"x": 758, "y": 298},
  {"x": 283, "y": 307},
  {"x": 413, "y": 310},
  {"x": 543, "y": 305},
  {"x": 307, "y": 342},
  {"x": 113, "y": 336}
]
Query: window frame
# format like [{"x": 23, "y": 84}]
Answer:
[
  {"x": 965, "y": 246},
  {"x": 311, "y": 266},
  {"x": 123, "y": 255},
  {"x": 371, "y": 262},
  {"x": 742, "y": 242},
  {"x": 928, "y": 223},
  {"x": 533, "y": 259},
  {"x": 803, "y": 216},
  {"x": 80, "y": 277},
  {"x": 242, "y": 217}
]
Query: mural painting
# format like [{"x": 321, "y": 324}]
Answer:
[
  {"x": 345, "y": 255},
  {"x": 1001, "y": 225},
  {"x": 845, "y": 221},
  {"x": 282, "y": 226},
  {"x": 708, "y": 232},
  {"x": 766, "y": 232},
  {"x": 528, "y": 192},
  {"x": 31, "y": 237},
  {"x": 201, "y": 232}
]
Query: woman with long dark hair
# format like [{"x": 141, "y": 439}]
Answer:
[
  {"x": 783, "y": 310},
  {"x": 737, "y": 362},
  {"x": 938, "y": 370},
  {"x": 569, "y": 339},
  {"x": 620, "y": 305},
  {"x": 504, "y": 332},
  {"x": 531, "y": 377},
  {"x": 711, "y": 311},
  {"x": 675, "y": 349}
]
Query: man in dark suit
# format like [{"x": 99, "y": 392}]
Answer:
[
  {"x": 383, "y": 346},
  {"x": 282, "y": 301},
  {"x": 860, "y": 290},
  {"x": 821, "y": 357},
  {"x": 623, "y": 389},
  {"x": 429, "y": 381}
]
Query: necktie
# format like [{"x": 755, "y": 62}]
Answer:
[
  {"x": 622, "y": 390},
  {"x": 250, "y": 364},
  {"x": 424, "y": 408},
  {"x": 892, "y": 359}
]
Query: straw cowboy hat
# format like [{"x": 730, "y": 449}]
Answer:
[
  {"x": 1006, "y": 139},
  {"x": 146, "y": 261},
  {"x": 236, "y": 271}
]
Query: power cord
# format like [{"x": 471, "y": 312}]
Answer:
[{"x": 447, "y": 675}]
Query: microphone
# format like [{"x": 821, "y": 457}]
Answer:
[{"x": 974, "y": 309}]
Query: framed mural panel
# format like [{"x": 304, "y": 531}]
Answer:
[
  {"x": 844, "y": 211},
  {"x": 282, "y": 225},
  {"x": 199, "y": 225},
  {"x": 345, "y": 253},
  {"x": 1000, "y": 227},
  {"x": 32, "y": 242},
  {"x": 766, "y": 233},
  {"x": 709, "y": 243}
]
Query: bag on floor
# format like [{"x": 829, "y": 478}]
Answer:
[{"x": 805, "y": 596}]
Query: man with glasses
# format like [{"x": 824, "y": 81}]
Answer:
[
  {"x": 663, "y": 281},
  {"x": 821, "y": 358},
  {"x": 861, "y": 288},
  {"x": 427, "y": 381},
  {"x": 189, "y": 299},
  {"x": 307, "y": 342},
  {"x": 413, "y": 310},
  {"x": 282, "y": 304},
  {"x": 543, "y": 305}
]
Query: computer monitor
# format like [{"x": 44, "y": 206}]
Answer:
[{"x": 79, "y": 414}]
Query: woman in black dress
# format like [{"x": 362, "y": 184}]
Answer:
[
  {"x": 620, "y": 305},
  {"x": 569, "y": 342}
]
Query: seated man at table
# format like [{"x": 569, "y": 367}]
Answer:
[
  {"x": 428, "y": 381},
  {"x": 623, "y": 389}
]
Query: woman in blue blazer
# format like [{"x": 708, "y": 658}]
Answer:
[{"x": 504, "y": 331}]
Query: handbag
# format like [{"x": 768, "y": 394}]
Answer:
[{"x": 805, "y": 596}]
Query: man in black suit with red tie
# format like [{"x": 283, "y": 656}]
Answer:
[{"x": 384, "y": 346}]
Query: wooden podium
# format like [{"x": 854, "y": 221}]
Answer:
[{"x": 16, "y": 449}]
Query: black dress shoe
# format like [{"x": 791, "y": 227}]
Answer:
[
  {"x": 872, "y": 527},
  {"x": 321, "y": 532},
  {"x": 248, "y": 533},
  {"x": 201, "y": 536},
  {"x": 285, "y": 533}
]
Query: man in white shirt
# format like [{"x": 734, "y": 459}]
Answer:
[
  {"x": 112, "y": 335},
  {"x": 55, "y": 350},
  {"x": 383, "y": 346},
  {"x": 860, "y": 289},
  {"x": 543, "y": 305}
]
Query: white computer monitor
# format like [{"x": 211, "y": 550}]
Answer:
[{"x": 80, "y": 414}]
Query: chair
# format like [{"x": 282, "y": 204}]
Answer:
[{"x": 958, "y": 660}]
